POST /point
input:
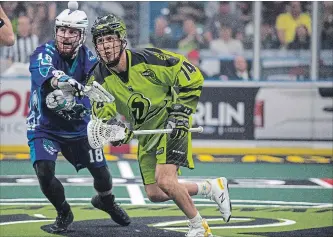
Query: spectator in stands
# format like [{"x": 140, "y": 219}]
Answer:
[
  {"x": 245, "y": 11},
  {"x": 225, "y": 44},
  {"x": 211, "y": 8},
  {"x": 269, "y": 39},
  {"x": 194, "y": 57},
  {"x": 13, "y": 10},
  {"x": 42, "y": 15},
  {"x": 93, "y": 9},
  {"x": 302, "y": 39},
  {"x": 327, "y": 32},
  {"x": 182, "y": 10},
  {"x": 191, "y": 39},
  {"x": 161, "y": 38},
  {"x": 271, "y": 10},
  {"x": 25, "y": 43},
  {"x": 7, "y": 37},
  {"x": 268, "y": 36},
  {"x": 286, "y": 23},
  {"x": 223, "y": 18},
  {"x": 241, "y": 71}
]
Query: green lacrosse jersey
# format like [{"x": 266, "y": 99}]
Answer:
[{"x": 154, "y": 80}]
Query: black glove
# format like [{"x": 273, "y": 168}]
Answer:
[
  {"x": 178, "y": 120},
  {"x": 129, "y": 133}
]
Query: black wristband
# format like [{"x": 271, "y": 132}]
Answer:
[
  {"x": 180, "y": 108},
  {"x": 2, "y": 22}
]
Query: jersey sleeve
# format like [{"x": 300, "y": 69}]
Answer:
[
  {"x": 306, "y": 20},
  {"x": 104, "y": 111},
  {"x": 90, "y": 61},
  {"x": 42, "y": 64},
  {"x": 187, "y": 79}
]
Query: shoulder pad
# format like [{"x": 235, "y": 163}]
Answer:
[{"x": 153, "y": 56}]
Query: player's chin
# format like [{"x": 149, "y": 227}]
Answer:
[
  {"x": 108, "y": 58},
  {"x": 65, "y": 48}
]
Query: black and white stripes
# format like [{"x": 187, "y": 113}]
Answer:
[{"x": 22, "y": 49}]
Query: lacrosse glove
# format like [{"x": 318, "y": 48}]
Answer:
[
  {"x": 128, "y": 132},
  {"x": 66, "y": 108},
  {"x": 178, "y": 120},
  {"x": 56, "y": 101},
  {"x": 68, "y": 85}
]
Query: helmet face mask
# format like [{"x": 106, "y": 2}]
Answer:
[
  {"x": 68, "y": 40},
  {"x": 109, "y": 38},
  {"x": 109, "y": 48},
  {"x": 70, "y": 32}
]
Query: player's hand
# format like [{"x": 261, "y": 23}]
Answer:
[
  {"x": 57, "y": 102},
  {"x": 178, "y": 120},
  {"x": 68, "y": 85},
  {"x": 128, "y": 133}
]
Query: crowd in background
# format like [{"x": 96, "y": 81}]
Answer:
[
  {"x": 223, "y": 28},
  {"x": 216, "y": 26}
]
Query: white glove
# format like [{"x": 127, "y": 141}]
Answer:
[
  {"x": 67, "y": 84},
  {"x": 123, "y": 135},
  {"x": 56, "y": 101}
]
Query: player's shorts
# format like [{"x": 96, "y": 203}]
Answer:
[
  {"x": 165, "y": 151},
  {"x": 76, "y": 151}
]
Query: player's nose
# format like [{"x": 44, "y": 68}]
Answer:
[{"x": 68, "y": 33}]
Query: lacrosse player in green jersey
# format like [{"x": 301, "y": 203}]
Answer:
[{"x": 155, "y": 89}]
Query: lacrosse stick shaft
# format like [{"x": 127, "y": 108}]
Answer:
[
  {"x": 103, "y": 91},
  {"x": 158, "y": 131}
]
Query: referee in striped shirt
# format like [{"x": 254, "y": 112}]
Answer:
[{"x": 25, "y": 43}]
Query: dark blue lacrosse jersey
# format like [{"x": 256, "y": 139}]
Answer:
[{"x": 43, "y": 122}]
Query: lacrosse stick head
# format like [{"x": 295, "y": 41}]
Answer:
[
  {"x": 97, "y": 93},
  {"x": 100, "y": 134}
]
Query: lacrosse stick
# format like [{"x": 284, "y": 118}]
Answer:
[
  {"x": 97, "y": 93},
  {"x": 100, "y": 134}
]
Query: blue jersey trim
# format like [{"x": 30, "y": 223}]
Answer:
[
  {"x": 74, "y": 66},
  {"x": 32, "y": 151}
]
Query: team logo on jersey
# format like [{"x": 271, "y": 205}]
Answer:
[
  {"x": 139, "y": 107},
  {"x": 151, "y": 76},
  {"x": 49, "y": 146}
]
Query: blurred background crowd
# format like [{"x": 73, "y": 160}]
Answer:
[{"x": 216, "y": 36}]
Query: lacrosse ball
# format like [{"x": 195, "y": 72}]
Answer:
[{"x": 73, "y": 5}]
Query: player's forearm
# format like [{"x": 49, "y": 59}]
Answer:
[
  {"x": 7, "y": 36},
  {"x": 54, "y": 82},
  {"x": 189, "y": 97},
  {"x": 190, "y": 102}
]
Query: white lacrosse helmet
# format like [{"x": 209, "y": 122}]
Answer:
[{"x": 73, "y": 18}]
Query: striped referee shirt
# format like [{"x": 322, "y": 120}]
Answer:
[{"x": 22, "y": 49}]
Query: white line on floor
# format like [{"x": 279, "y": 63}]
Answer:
[
  {"x": 23, "y": 222},
  {"x": 134, "y": 190}
]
